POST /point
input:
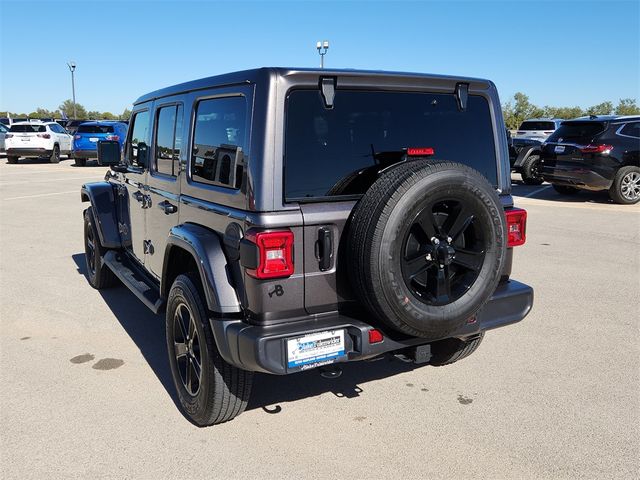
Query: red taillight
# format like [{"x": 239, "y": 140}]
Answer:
[
  {"x": 375, "y": 336},
  {"x": 44, "y": 135},
  {"x": 113, "y": 137},
  {"x": 275, "y": 254},
  {"x": 516, "y": 227},
  {"x": 420, "y": 152},
  {"x": 597, "y": 148}
]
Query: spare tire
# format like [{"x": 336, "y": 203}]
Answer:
[{"x": 426, "y": 246}]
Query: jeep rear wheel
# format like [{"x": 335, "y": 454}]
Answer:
[
  {"x": 426, "y": 247},
  {"x": 450, "y": 350},
  {"x": 210, "y": 390}
]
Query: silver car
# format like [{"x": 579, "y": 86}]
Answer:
[{"x": 538, "y": 128}]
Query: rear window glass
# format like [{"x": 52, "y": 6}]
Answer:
[
  {"x": 95, "y": 129},
  {"x": 336, "y": 152},
  {"x": 33, "y": 128},
  {"x": 582, "y": 132},
  {"x": 537, "y": 126}
]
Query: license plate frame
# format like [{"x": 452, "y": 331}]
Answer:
[
  {"x": 315, "y": 349},
  {"x": 559, "y": 149},
  {"x": 94, "y": 139}
]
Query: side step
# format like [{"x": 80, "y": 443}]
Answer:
[{"x": 138, "y": 282}]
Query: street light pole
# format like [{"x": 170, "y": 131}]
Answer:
[
  {"x": 72, "y": 68},
  {"x": 322, "y": 51}
]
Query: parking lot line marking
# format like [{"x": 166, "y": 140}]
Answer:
[
  {"x": 42, "y": 195},
  {"x": 535, "y": 192},
  {"x": 61, "y": 179}
]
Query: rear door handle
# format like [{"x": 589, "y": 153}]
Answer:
[
  {"x": 167, "y": 207},
  {"x": 324, "y": 249}
]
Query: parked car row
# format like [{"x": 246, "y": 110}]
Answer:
[
  {"x": 50, "y": 140},
  {"x": 588, "y": 153}
]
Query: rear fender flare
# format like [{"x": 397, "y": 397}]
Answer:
[
  {"x": 525, "y": 153},
  {"x": 101, "y": 195},
  {"x": 205, "y": 247}
]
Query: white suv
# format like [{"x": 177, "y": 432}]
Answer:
[
  {"x": 37, "y": 139},
  {"x": 538, "y": 128}
]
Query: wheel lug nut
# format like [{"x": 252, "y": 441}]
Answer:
[
  {"x": 449, "y": 239},
  {"x": 435, "y": 241}
]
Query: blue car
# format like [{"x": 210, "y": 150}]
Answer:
[{"x": 86, "y": 138}]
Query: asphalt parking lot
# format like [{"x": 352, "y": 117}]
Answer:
[{"x": 86, "y": 389}]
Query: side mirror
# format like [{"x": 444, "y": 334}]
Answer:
[{"x": 108, "y": 152}]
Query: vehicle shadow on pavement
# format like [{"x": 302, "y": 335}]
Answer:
[
  {"x": 146, "y": 329},
  {"x": 546, "y": 192},
  {"x": 269, "y": 391}
]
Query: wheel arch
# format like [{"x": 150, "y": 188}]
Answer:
[
  {"x": 102, "y": 199},
  {"x": 194, "y": 248},
  {"x": 526, "y": 153}
]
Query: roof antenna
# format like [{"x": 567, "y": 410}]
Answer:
[{"x": 322, "y": 50}]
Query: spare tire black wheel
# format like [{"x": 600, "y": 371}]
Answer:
[{"x": 426, "y": 246}]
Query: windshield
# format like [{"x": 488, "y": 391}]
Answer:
[
  {"x": 537, "y": 126},
  {"x": 29, "y": 128},
  {"x": 579, "y": 132},
  {"x": 367, "y": 131},
  {"x": 95, "y": 129}
]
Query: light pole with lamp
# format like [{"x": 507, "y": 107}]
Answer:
[
  {"x": 72, "y": 68},
  {"x": 322, "y": 51}
]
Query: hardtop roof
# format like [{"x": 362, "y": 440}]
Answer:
[{"x": 253, "y": 75}]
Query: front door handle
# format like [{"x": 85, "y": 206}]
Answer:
[
  {"x": 167, "y": 207},
  {"x": 139, "y": 196}
]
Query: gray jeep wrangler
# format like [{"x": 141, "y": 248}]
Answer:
[{"x": 287, "y": 219}]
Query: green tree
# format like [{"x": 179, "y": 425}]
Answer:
[
  {"x": 565, "y": 113},
  {"x": 67, "y": 108},
  {"x": 126, "y": 115},
  {"x": 518, "y": 111},
  {"x": 627, "y": 106},
  {"x": 604, "y": 108}
]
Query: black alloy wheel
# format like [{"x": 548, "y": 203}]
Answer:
[
  {"x": 186, "y": 349},
  {"x": 443, "y": 252}
]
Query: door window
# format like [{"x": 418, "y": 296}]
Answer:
[
  {"x": 168, "y": 139},
  {"x": 138, "y": 150},
  {"x": 631, "y": 130}
]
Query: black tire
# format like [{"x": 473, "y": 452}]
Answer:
[
  {"x": 626, "y": 186},
  {"x": 384, "y": 231},
  {"x": 12, "y": 160},
  {"x": 565, "y": 189},
  {"x": 222, "y": 390},
  {"x": 99, "y": 275},
  {"x": 55, "y": 155},
  {"x": 530, "y": 170},
  {"x": 80, "y": 162},
  {"x": 451, "y": 350}
]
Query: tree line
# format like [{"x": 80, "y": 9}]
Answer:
[
  {"x": 67, "y": 108},
  {"x": 518, "y": 109},
  {"x": 515, "y": 111}
]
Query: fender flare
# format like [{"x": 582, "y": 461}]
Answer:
[
  {"x": 205, "y": 247},
  {"x": 101, "y": 195},
  {"x": 525, "y": 153}
]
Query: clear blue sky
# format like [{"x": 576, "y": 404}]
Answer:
[{"x": 559, "y": 53}]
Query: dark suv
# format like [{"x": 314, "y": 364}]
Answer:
[
  {"x": 290, "y": 219},
  {"x": 595, "y": 153}
]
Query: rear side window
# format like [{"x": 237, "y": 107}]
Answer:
[
  {"x": 537, "y": 126},
  {"x": 95, "y": 129},
  {"x": 631, "y": 130},
  {"x": 578, "y": 132},
  {"x": 139, "y": 146},
  {"x": 32, "y": 128},
  {"x": 335, "y": 152},
  {"x": 218, "y": 140},
  {"x": 168, "y": 139}
]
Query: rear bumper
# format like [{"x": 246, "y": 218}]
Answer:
[
  {"x": 29, "y": 152},
  {"x": 85, "y": 153},
  {"x": 575, "y": 177},
  {"x": 263, "y": 348}
]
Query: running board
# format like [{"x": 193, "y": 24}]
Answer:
[{"x": 134, "y": 279}]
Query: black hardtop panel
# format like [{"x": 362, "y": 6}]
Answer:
[{"x": 374, "y": 77}]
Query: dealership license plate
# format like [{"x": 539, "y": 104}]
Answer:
[
  {"x": 315, "y": 349},
  {"x": 93, "y": 139},
  {"x": 559, "y": 149}
]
